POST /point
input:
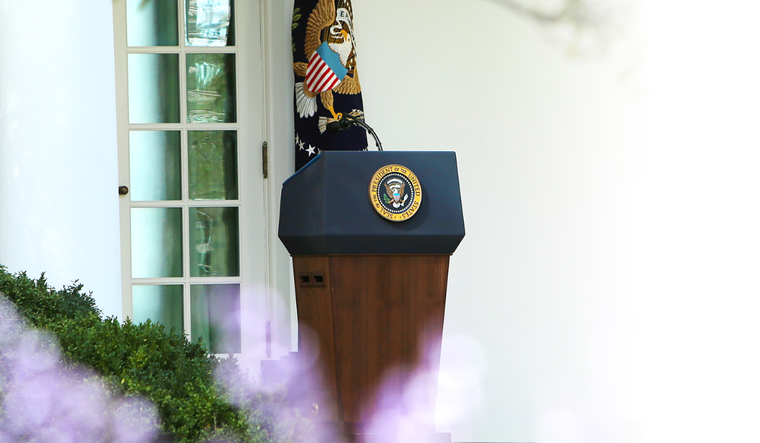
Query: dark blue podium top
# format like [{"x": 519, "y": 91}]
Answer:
[{"x": 325, "y": 207}]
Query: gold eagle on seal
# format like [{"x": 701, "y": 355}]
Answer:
[
  {"x": 395, "y": 189},
  {"x": 329, "y": 22}
]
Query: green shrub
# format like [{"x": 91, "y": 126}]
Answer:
[
  {"x": 42, "y": 305},
  {"x": 146, "y": 360}
]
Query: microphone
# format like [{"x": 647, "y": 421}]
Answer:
[
  {"x": 348, "y": 120},
  {"x": 339, "y": 125}
]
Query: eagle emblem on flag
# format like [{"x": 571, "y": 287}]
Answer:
[
  {"x": 326, "y": 82},
  {"x": 329, "y": 35}
]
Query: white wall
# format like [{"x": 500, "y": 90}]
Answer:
[
  {"x": 543, "y": 143},
  {"x": 58, "y": 171},
  {"x": 605, "y": 291},
  {"x": 699, "y": 224}
]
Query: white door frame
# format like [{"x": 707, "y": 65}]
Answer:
[{"x": 254, "y": 213}]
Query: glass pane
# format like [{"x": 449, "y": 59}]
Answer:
[
  {"x": 152, "y": 23},
  {"x": 154, "y": 165},
  {"x": 212, "y": 157},
  {"x": 153, "y": 88},
  {"x": 215, "y": 314},
  {"x": 211, "y": 88},
  {"x": 214, "y": 237},
  {"x": 207, "y": 22},
  {"x": 156, "y": 242},
  {"x": 160, "y": 304}
]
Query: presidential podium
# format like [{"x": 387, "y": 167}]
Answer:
[{"x": 370, "y": 291}]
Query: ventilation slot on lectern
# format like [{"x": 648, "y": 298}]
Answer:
[{"x": 311, "y": 279}]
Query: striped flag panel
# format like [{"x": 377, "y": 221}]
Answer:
[{"x": 319, "y": 76}]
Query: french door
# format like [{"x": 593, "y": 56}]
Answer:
[{"x": 192, "y": 210}]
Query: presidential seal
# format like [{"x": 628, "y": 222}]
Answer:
[{"x": 395, "y": 193}]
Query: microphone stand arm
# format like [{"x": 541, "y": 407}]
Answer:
[{"x": 363, "y": 124}]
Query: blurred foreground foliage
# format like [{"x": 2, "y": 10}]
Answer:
[{"x": 148, "y": 361}]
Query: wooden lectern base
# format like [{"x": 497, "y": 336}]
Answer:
[
  {"x": 366, "y": 322},
  {"x": 438, "y": 437},
  {"x": 330, "y": 435}
]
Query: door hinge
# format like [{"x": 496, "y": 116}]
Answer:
[{"x": 265, "y": 160}]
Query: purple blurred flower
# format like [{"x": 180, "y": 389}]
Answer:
[{"x": 42, "y": 400}]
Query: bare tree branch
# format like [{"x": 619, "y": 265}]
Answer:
[{"x": 581, "y": 26}]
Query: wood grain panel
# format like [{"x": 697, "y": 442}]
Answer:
[
  {"x": 386, "y": 309},
  {"x": 371, "y": 321},
  {"x": 316, "y": 350}
]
